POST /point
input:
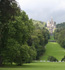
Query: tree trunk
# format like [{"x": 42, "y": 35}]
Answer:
[
  {"x": 11, "y": 62},
  {"x": 0, "y": 60}
]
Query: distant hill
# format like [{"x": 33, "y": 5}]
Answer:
[
  {"x": 39, "y": 23},
  {"x": 61, "y": 25}
]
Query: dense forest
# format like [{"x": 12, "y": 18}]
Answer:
[
  {"x": 59, "y": 34},
  {"x": 61, "y": 25},
  {"x": 20, "y": 40}
]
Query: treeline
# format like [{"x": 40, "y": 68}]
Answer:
[
  {"x": 59, "y": 34},
  {"x": 39, "y": 23},
  {"x": 20, "y": 41},
  {"x": 61, "y": 25}
]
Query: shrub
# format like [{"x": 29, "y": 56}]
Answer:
[
  {"x": 52, "y": 59},
  {"x": 63, "y": 59}
]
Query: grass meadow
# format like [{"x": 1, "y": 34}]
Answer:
[
  {"x": 37, "y": 66},
  {"x": 53, "y": 49}
]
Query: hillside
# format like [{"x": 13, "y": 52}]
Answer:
[
  {"x": 40, "y": 23},
  {"x": 61, "y": 25},
  {"x": 53, "y": 49}
]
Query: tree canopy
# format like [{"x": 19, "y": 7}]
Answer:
[
  {"x": 59, "y": 34},
  {"x": 20, "y": 40}
]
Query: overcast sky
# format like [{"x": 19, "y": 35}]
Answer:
[{"x": 43, "y": 10}]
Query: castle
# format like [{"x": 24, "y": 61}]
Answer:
[{"x": 51, "y": 25}]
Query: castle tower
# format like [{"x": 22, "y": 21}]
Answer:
[
  {"x": 48, "y": 24},
  {"x": 51, "y": 26}
]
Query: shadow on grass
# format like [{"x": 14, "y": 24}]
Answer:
[{"x": 23, "y": 66}]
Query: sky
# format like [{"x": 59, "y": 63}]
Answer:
[{"x": 43, "y": 10}]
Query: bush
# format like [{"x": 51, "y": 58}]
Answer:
[
  {"x": 52, "y": 59},
  {"x": 63, "y": 59}
]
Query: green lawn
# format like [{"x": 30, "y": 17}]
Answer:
[
  {"x": 38, "y": 66},
  {"x": 53, "y": 49},
  {"x": 51, "y": 38}
]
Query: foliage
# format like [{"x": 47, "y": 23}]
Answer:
[
  {"x": 52, "y": 59},
  {"x": 63, "y": 59},
  {"x": 61, "y": 25},
  {"x": 20, "y": 40},
  {"x": 59, "y": 35},
  {"x": 8, "y": 9},
  {"x": 39, "y": 39},
  {"x": 39, "y": 23}
]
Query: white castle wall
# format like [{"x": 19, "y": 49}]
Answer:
[{"x": 51, "y": 25}]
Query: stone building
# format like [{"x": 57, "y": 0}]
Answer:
[{"x": 51, "y": 25}]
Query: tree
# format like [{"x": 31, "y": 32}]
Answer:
[
  {"x": 20, "y": 40},
  {"x": 19, "y": 31},
  {"x": 7, "y": 12},
  {"x": 59, "y": 35},
  {"x": 39, "y": 38}
]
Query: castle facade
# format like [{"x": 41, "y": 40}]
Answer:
[{"x": 51, "y": 25}]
